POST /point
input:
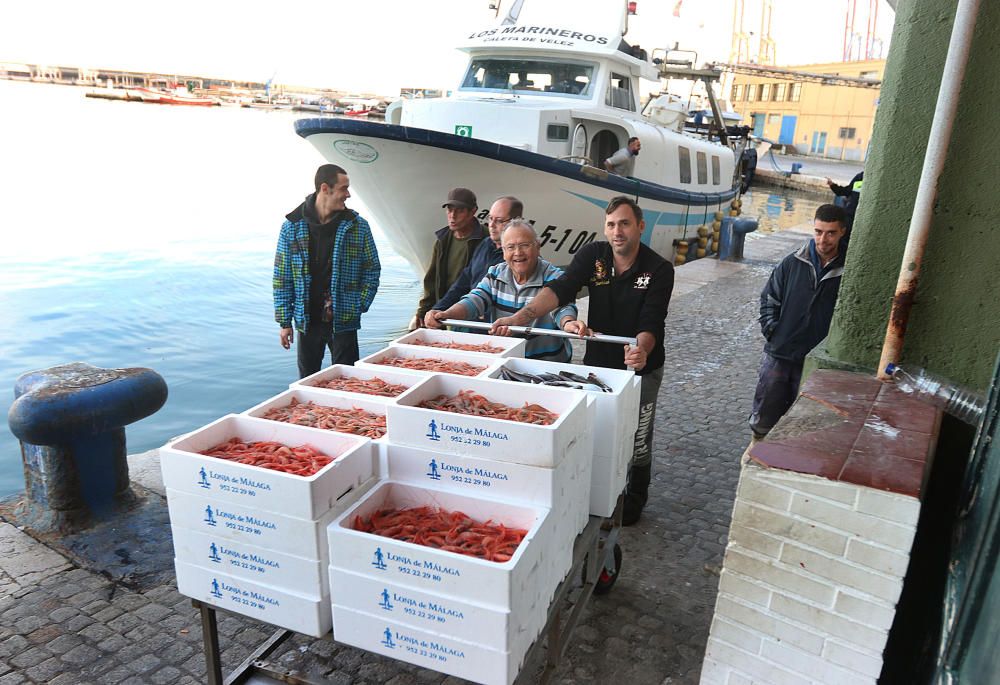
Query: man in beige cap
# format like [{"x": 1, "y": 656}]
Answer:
[{"x": 452, "y": 250}]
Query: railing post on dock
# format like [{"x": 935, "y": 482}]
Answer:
[{"x": 70, "y": 420}]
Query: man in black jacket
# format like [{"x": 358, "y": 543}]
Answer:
[
  {"x": 629, "y": 286},
  {"x": 796, "y": 307}
]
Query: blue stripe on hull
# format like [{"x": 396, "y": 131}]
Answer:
[
  {"x": 504, "y": 153},
  {"x": 651, "y": 217}
]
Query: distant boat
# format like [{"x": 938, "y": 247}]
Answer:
[{"x": 177, "y": 97}]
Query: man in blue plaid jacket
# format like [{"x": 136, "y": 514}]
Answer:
[{"x": 326, "y": 273}]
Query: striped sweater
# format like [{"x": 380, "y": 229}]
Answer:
[{"x": 498, "y": 295}]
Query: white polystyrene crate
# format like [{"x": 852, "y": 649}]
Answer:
[
  {"x": 510, "y": 347},
  {"x": 289, "y": 610},
  {"x": 480, "y": 436},
  {"x": 498, "y": 629},
  {"x": 511, "y": 585},
  {"x": 316, "y": 396},
  {"x": 616, "y": 419},
  {"x": 487, "y": 362},
  {"x": 307, "y": 577},
  {"x": 385, "y": 373},
  {"x": 305, "y": 497},
  {"x": 249, "y": 525},
  {"x": 423, "y": 648}
]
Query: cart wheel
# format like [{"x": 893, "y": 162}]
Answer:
[{"x": 608, "y": 576}]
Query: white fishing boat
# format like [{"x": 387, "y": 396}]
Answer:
[{"x": 550, "y": 91}]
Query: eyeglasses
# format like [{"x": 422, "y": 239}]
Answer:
[
  {"x": 513, "y": 247},
  {"x": 498, "y": 219}
]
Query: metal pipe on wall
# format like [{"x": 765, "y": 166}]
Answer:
[{"x": 934, "y": 160}]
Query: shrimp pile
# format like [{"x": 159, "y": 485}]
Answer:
[
  {"x": 468, "y": 402},
  {"x": 450, "y": 345},
  {"x": 356, "y": 421},
  {"x": 448, "y": 531},
  {"x": 372, "y": 386},
  {"x": 429, "y": 364},
  {"x": 303, "y": 460}
]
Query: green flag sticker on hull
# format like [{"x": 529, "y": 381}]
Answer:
[{"x": 463, "y": 130}]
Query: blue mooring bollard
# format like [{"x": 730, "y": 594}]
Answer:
[
  {"x": 70, "y": 420},
  {"x": 732, "y": 236}
]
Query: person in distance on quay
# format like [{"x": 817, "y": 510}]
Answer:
[
  {"x": 453, "y": 248},
  {"x": 623, "y": 161},
  {"x": 629, "y": 287},
  {"x": 326, "y": 274},
  {"x": 486, "y": 255},
  {"x": 796, "y": 307},
  {"x": 509, "y": 286}
]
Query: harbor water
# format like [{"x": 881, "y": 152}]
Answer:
[{"x": 143, "y": 235}]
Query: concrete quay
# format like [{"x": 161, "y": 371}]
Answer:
[{"x": 67, "y": 617}]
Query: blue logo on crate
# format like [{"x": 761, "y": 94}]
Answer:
[
  {"x": 379, "y": 560},
  {"x": 385, "y": 603},
  {"x": 387, "y": 640},
  {"x": 215, "y": 588},
  {"x": 433, "y": 471},
  {"x": 203, "y": 481},
  {"x": 209, "y": 516},
  {"x": 214, "y": 554},
  {"x": 432, "y": 431}
]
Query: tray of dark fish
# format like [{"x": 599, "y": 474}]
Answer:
[{"x": 563, "y": 379}]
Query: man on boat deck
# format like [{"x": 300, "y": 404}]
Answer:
[
  {"x": 326, "y": 273},
  {"x": 453, "y": 249},
  {"x": 509, "y": 286},
  {"x": 796, "y": 307},
  {"x": 486, "y": 255},
  {"x": 623, "y": 161},
  {"x": 629, "y": 287}
]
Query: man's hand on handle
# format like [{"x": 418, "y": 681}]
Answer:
[
  {"x": 432, "y": 319},
  {"x": 635, "y": 357},
  {"x": 578, "y": 327},
  {"x": 287, "y": 337}
]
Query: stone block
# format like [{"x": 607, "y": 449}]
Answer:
[
  {"x": 868, "y": 611},
  {"x": 825, "y": 622},
  {"x": 735, "y": 635},
  {"x": 817, "y": 669},
  {"x": 777, "y": 576},
  {"x": 752, "y": 488},
  {"x": 843, "y": 493},
  {"x": 889, "y": 506},
  {"x": 762, "y": 669},
  {"x": 754, "y": 540},
  {"x": 861, "y": 525},
  {"x": 852, "y": 659},
  {"x": 768, "y": 624},
  {"x": 843, "y": 574},
  {"x": 789, "y": 527},
  {"x": 745, "y": 589},
  {"x": 887, "y": 561}
]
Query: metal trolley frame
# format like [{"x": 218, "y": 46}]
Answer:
[{"x": 594, "y": 551}]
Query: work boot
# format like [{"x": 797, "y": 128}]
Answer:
[{"x": 636, "y": 494}]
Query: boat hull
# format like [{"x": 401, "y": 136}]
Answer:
[{"x": 403, "y": 175}]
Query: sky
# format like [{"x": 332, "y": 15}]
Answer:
[{"x": 368, "y": 45}]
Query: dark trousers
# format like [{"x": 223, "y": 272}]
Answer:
[
  {"x": 313, "y": 344},
  {"x": 649, "y": 390},
  {"x": 777, "y": 387}
]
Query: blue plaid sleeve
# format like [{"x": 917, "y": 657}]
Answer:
[
  {"x": 281, "y": 282},
  {"x": 371, "y": 268}
]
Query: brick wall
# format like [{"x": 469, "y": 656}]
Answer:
[{"x": 810, "y": 581}]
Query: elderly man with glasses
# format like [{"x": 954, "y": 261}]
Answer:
[
  {"x": 509, "y": 286},
  {"x": 486, "y": 255}
]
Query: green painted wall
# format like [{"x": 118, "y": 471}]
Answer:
[{"x": 954, "y": 327}]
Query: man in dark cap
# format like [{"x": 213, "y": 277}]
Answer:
[{"x": 452, "y": 250}]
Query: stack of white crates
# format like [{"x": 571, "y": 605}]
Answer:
[
  {"x": 616, "y": 417},
  {"x": 253, "y": 540}
]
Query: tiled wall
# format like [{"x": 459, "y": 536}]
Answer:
[{"x": 811, "y": 577}]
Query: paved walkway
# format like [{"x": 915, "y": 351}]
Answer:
[{"x": 63, "y": 624}]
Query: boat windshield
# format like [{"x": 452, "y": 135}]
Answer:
[{"x": 529, "y": 76}]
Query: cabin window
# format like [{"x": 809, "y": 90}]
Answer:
[
  {"x": 529, "y": 76},
  {"x": 716, "y": 171},
  {"x": 619, "y": 93},
  {"x": 557, "y": 132},
  {"x": 684, "y": 160},
  {"x": 702, "y": 168}
]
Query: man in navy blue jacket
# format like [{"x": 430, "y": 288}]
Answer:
[
  {"x": 796, "y": 307},
  {"x": 486, "y": 255}
]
